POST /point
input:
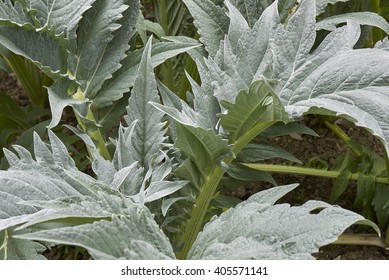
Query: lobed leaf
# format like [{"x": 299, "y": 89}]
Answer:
[
  {"x": 14, "y": 14},
  {"x": 149, "y": 135},
  {"x": 123, "y": 237},
  {"x": 253, "y": 56},
  {"x": 206, "y": 105},
  {"x": 116, "y": 49},
  {"x": 322, "y": 4},
  {"x": 238, "y": 25},
  {"x": 337, "y": 80},
  {"x": 15, "y": 249},
  {"x": 236, "y": 67},
  {"x": 251, "y": 9},
  {"x": 59, "y": 99},
  {"x": 257, "y": 230},
  {"x": 61, "y": 16},
  {"x": 294, "y": 41},
  {"x": 124, "y": 78},
  {"x": 122, "y": 157},
  {"x": 49, "y": 188},
  {"x": 95, "y": 32},
  {"x": 357, "y": 93},
  {"x": 333, "y": 79},
  {"x": 44, "y": 178},
  {"x": 211, "y": 22}
]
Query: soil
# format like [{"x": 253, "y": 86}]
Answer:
[
  {"x": 10, "y": 86},
  {"x": 304, "y": 147}
]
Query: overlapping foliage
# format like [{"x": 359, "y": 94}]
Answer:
[
  {"x": 153, "y": 196},
  {"x": 327, "y": 76}
]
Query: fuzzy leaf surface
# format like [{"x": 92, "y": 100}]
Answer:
[
  {"x": 49, "y": 24},
  {"x": 258, "y": 230},
  {"x": 259, "y": 105},
  {"x": 14, "y": 14},
  {"x": 350, "y": 85},
  {"x": 211, "y": 22},
  {"x": 251, "y": 9},
  {"x": 115, "y": 51},
  {"x": 15, "y": 249},
  {"x": 44, "y": 177},
  {"x": 47, "y": 51},
  {"x": 322, "y": 4},
  {"x": 362, "y": 18},
  {"x": 238, "y": 24},
  {"x": 236, "y": 66},
  {"x": 95, "y": 33},
  {"x": 123, "y": 237},
  {"x": 62, "y": 16},
  {"x": 123, "y": 79},
  {"x": 332, "y": 79},
  {"x": 47, "y": 187},
  {"x": 148, "y": 134}
]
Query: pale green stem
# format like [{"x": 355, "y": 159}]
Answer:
[
  {"x": 246, "y": 138},
  {"x": 95, "y": 135},
  {"x": 4, "y": 246},
  {"x": 296, "y": 170},
  {"x": 195, "y": 223},
  {"x": 208, "y": 190}
]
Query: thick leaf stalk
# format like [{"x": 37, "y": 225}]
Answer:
[
  {"x": 297, "y": 170},
  {"x": 195, "y": 223},
  {"x": 94, "y": 134},
  {"x": 3, "y": 246}
]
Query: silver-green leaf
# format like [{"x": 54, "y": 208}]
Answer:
[
  {"x": 211, "y": 22},
  {"x": 122, "y": 237},
  {"x": 149, "y": 135},
  {"x": 257, "y": 229}
]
